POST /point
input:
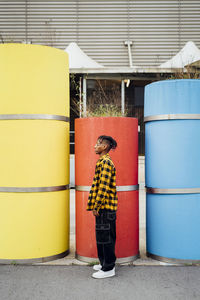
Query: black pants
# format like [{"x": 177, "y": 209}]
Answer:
[{"x": 106, "y": 238}]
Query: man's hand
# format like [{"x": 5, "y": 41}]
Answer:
[{"x": 95, "y": 213}]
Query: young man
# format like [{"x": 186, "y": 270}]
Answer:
[{"x": 103, "y": 202}]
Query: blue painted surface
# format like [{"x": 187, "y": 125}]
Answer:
[
  {"x": 172, "y": 96},
  {"x": 173, "y": 154},
  {"x": 173, "y": 161},
  {"x": 173, "y": 223}
]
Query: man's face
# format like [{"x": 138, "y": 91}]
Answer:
[{"x": 100, "y": 147}]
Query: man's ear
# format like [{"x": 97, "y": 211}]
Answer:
[{"x": 106, "y": 146}]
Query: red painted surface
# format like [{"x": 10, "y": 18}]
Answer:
[{"x": 125, "y": 157}]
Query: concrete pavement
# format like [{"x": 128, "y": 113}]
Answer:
[{"x": 75, "y": 283}]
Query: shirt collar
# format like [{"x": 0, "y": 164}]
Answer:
[{"x": 104, "y": 156}]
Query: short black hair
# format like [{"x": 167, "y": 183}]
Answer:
[{"x": 109, "y": 140}]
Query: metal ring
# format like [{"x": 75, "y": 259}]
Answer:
[
  {"x": 82, "y": 188},
  {"x": 172, "y": 117},
  {"x": 120, "y": 188},
  {"x": 121, "y": 260},
  {"x": 34, "y": 260},
  {"x": 173, "y": 191},
  {"x": 34, "y": 189},
  {"x": 33, "y": 117},
  {"x": 172, "y": 260},
  {"x": 126, "y": 188}
]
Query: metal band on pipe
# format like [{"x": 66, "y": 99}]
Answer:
[
  {"x": 33, "y": 117},
  {"x": 121, "y": 260},
  {"x": 173, "y": 191},
  {"x": 126, "y": 188},
  {"x": 34, "y": 260},
  {"x": 34, "y": 189},
  {"x": 120, "y": 188},
  {"x": 172, "y": 117},
  {"x": 172, "y": 260}
]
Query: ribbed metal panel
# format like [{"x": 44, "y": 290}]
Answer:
[
  {"x": 158, "y": 29},
  {"x": 12, "y": 21}
]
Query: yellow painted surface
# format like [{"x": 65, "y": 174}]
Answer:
[
  {"x": 34, "y": 153},
  {"x": 33, "y": 225},
  {"x": 34, "y": 80}
]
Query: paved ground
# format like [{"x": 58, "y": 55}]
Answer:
[{"x": 74, "y": 282}]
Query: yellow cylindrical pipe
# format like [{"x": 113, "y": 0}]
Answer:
[{"x": 34, "y": 154}]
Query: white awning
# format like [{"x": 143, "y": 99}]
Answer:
[
  {"x": 195, "y": 64},
  {"x": 79, "y": 60},
  {"x": 187, "y": 56}
]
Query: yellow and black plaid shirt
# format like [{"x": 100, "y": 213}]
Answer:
[{"x": 103, "y": 193}]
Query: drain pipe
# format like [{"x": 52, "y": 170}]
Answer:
[
  {"x": 84, "y": 95},
  {"x": 129, "y": 44}
]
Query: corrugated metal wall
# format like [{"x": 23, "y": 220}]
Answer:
[{"x": 158, "y": 29}]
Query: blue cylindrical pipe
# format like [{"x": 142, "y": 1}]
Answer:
[{"x": 172, "y": 155}]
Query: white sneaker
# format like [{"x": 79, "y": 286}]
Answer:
[
  {"x": 97, "y": 267},
  {"x": 104, "y": 274}
]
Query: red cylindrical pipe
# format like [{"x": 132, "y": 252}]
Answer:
[{"x": 125, "y": 157}]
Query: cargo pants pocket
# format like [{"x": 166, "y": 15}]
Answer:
[
  {"x": 111, "y": 216},
  {"x": 103, "y": 233}
]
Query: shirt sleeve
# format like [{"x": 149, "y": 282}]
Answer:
[{"x": 104, "y": 183}]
